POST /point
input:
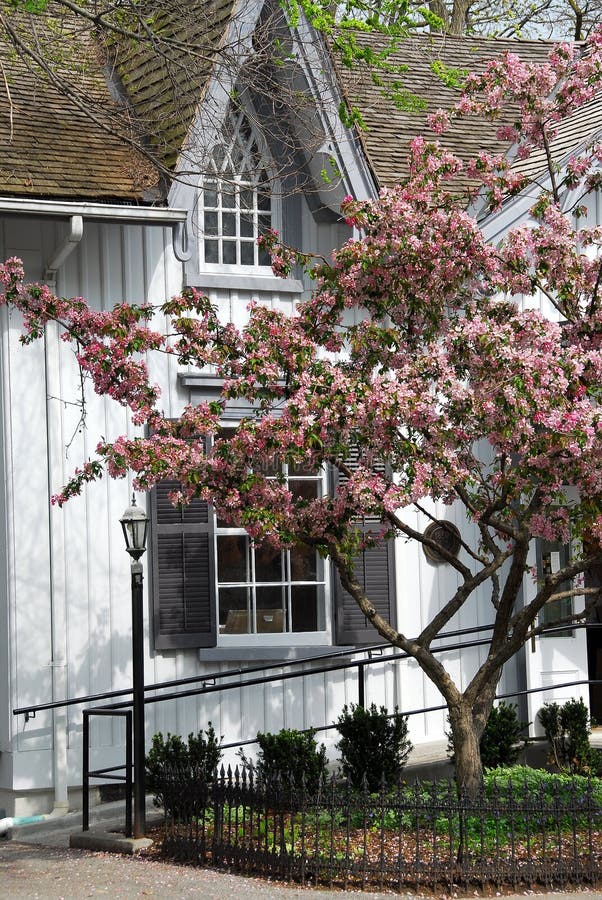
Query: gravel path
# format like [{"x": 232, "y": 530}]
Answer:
[
  {"x": 35, "y": 872},
  {"x": 46, "y": 873}
]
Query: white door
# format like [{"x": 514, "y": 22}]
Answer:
[{"x": 559, "y": 657}]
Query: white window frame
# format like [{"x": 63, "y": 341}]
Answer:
[
  {"x": 562, "y": 550},
  {"x": 323, "y": 637},
  {"x": 247, "y": 179}
]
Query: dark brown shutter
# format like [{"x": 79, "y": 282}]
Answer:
[
  {"x": 374, "y": 568},
  {"x": 183, "y": 572}
]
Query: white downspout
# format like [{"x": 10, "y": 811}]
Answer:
[
  {"x": 58, "y": 611},
  {"x": 63, "y": 250}
]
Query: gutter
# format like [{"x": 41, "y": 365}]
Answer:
[
  {"x": 76, "y": 232},
  {"x": 121, "y": 211},
  {"x": 111, "y": 212}
]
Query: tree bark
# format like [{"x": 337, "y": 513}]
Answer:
[
  {"x": 466, "y": 735},
  {"x": 458, "y": 22},
  {"x": 438, "y": 8}
]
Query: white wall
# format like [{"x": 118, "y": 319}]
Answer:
[{"x": 74, "y": 557}]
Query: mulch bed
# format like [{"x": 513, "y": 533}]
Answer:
[{"x": 407, "y": 863}]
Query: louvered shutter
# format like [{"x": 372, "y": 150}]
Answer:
[
  {"x": 374, "y": 569},
  {"x": 183, "y": 572}
]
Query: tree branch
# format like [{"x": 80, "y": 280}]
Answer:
[{"x": 427, "y": 661}]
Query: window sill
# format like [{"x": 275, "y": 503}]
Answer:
[
  {"x": 245, "y": 281},
  {"x": 259, "y": 653}
]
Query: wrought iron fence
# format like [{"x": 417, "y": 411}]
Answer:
[{"x": 415, "y": 835}]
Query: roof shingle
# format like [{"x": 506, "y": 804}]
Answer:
[
  {"x": 49, "y": 145},
  {"x": 390, "y": 130}
]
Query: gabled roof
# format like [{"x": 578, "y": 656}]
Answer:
[
  {"x": 165, "y": 89},
  {"x": 77, "y": 131},
  {"x": 389, "y": 130},
  {"x": 49, "y": 146}
]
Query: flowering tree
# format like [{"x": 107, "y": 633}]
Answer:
[{"x": 469, "y": 396}]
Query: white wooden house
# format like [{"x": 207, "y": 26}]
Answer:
[{"x": 92, "y": 216}]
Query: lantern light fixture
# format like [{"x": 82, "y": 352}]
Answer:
[{"x": 134, "y": 522}]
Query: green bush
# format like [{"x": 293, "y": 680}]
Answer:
[
  {"x": 503, "y": 737},
  {"x": 523, "y": 801},
  {"x": 171, "y": 764},
  {"x": 373, "y": 745},
  {"x": 502, "y": 740},
  {"x": 567, "y": 729},
  {"x": 290, "y": 756},
  {"x": 539, "y": 782}
]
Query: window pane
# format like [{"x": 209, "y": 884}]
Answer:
[
  {"x": 209, "y": 194},
  {"x": 304, "y": 608},
  {"x": 247, "y": 197},
  {"x": 228, "y": 196},
  {"x": 268, "y": 564},
  {"x": 303, "y": 564},
  {"x": 247, "y": 253},
  {"x": 229, "y": 224},
  {"x": 306, "y": 489},
  {"x": 236, "y": 155},
  {"x": 210, "y": 223},
  {"x": 235, "y": 610},
  {"x": 265, "y": 222},
  {"x": 264, "y": 258},
  {"x": 245, "y": 130},
  {"x": 232, "y": 558},
  {"x": 270, "y": 465},
  {"x": 211, "y": 252},
  {"x": 247, "y": 228},
  {"x": 254, "y": 158},
  {"x": 552, "y": 558},
  {"x": 555, "y": 612},
  {"x": 264, "y": 201},
  {"x": 301, "y": 469},
  {"x": 270, "y": 610},
  {"x": 229, "y": 252}
]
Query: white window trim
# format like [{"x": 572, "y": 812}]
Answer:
[
  {"x": 324, "y": 637},
  {"x": 232, "y": 270},
  {"x": 251, "y": 281}
]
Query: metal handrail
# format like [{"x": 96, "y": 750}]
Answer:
[
  {"x": 438, "y": 708},
  {"x": 108, "y": 772},
  {"x": 31, "y": 710}
]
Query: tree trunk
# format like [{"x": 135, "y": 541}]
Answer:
[
  {"x": 458, "y": 23},
  {"x": 466, "y": 736}
]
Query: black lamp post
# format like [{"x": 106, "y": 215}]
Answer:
[{"x": 135, "y": 525}]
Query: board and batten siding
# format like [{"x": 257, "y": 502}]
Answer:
[
  {"x": 77, "y": 553},
  {"x": 24, "y": 554}
]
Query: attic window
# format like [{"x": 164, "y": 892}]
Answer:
[{"x": 236, "y": 198}]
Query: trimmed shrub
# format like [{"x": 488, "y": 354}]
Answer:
[
  {"x": 524, "y": 780},
  {"x": 290, "y": 757},
  {"x": 373, "y": 745},
  {"x": 168, "y": 757},
  {"x": 502, "y": 740},
  {"x": 567, "y": 729}
]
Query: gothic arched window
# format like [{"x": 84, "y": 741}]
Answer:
[{"x": 236, "y": 203}]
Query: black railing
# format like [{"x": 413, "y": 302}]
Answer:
[
  {"x": 209, "y": 682},
  {"x": 108, "y": 773},
  {"x": 420, "y": 835}
]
